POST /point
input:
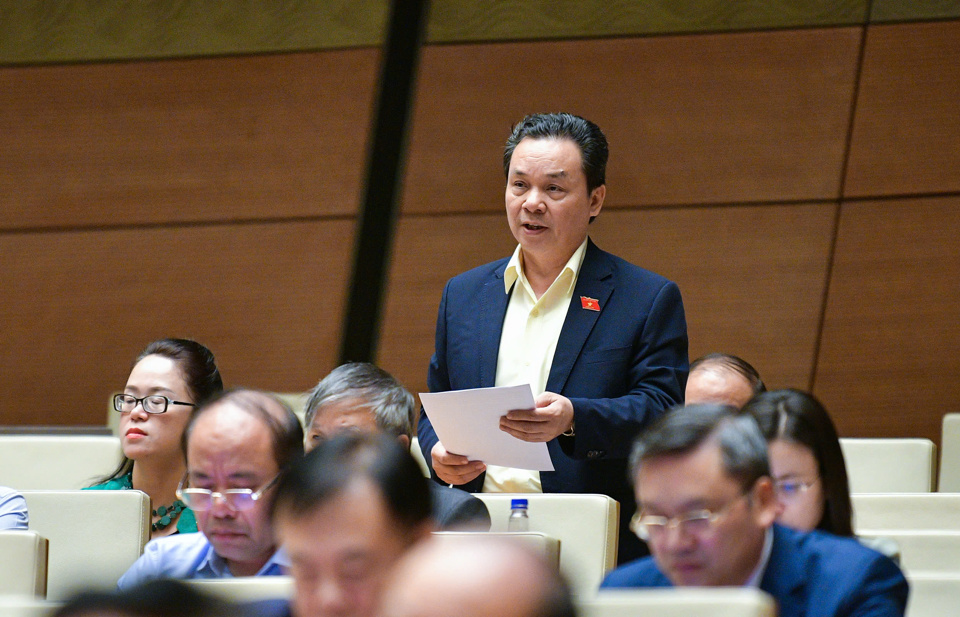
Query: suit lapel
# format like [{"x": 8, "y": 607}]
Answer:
[
  {"x": 492, "y": 306},
  {"x": 594, "y": 281},
  {"x": 784, "y": 578}
]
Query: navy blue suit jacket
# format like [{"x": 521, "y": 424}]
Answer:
[
  {"x": 809, "y": 575},
  {"x": 621, "y": 367}
]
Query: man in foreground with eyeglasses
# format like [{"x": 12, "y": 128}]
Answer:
[
  {"x": 707, "y": 509},
  {"x": 236, "y": 445}
]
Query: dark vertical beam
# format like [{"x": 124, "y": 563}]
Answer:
[{"x": 385, "y": 167}]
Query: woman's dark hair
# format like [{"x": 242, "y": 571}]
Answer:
[
  {"x": 200, "y": 374},
  {"x": 799, "y": 418}
]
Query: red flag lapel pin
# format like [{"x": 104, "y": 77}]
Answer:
[{"x": 591, "y": 304}]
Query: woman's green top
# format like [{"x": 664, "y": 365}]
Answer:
[{"x": 187, "y": 523}]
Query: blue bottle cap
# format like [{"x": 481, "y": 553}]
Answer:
[{"x": 518, "y": 504}]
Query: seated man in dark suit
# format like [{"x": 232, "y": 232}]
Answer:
[
  {"x": 359, "y": 396},
  {"x": 707, "y": 510}
]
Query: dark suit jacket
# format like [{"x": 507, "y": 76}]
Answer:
[
  {"x": 809, "y": 575},
  {"x": 621, "y": 367},
  {"x": 454, "y": 509}
]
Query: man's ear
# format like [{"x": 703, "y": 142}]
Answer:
[
  {"x": 596, "y": 200},
  {"x": 766, "y": 506},
  {"x": 404, "y": 441}
]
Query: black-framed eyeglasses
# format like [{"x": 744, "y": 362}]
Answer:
[
  {"x": 155, "y": 403},
  {"x": 695, "y": 522},
  {"x": 237, "y": 499}
]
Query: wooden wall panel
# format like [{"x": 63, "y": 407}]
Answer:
[
  {"x": 906, "y": 137},
  {"x": 691, "y": 119},
  {"x": 186, "y": 140},
  {"x": 888, "y": 363},
  {"x": 77, "y": 307},
  {"x": 752, "y": 278}
]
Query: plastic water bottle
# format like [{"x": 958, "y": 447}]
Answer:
[{"x": 518, "y": 521}]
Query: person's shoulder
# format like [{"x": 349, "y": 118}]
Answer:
[
  {"x": 626, "y": 270},
  {"x": 833, "y": 557},
  {"x": 167, "y": 557},
  {"x": 640, "y": 573},
  {"x": 455, "y": 509},
  {"x": 178, "y": 545},
  {"x": 480, "y": 273}
]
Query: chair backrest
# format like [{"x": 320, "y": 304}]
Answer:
[
  {"x": 95, "y": 536},
  {"x": 418, "y": 456},
  {"x": 933, "y": 595},
  {"x": 923, "y": 552},
  {"x": 540, "y": 543},
  {"x": 246, "y": 588},
  {"x": 894, "y": 465},
  {"x": 56, "y": 462},
  {"x": 23, "y": 565},
  {"x": 23, "y": 606},
  {"x": 587, "y": 527},
  {"x": 907, "y": 511},
  {"x": 297, "y": 401},
  {"x": 950, "y": 454},
  {"x": 679, "y": 602}
]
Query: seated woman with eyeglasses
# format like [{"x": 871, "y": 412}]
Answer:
[
  {"x": 169, "y": 378},
  {"x": 807, "y": 465}
]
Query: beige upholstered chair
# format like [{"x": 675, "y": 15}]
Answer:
[
  {"x": 686, "y": 602},
  {"x": 95, "y": 536},
  {"x": 23, "y": 606},
  {"x": 56, "y": 462},
  {"x": 924, "y": 552},
  {"x": 950, "y": 454},
  {"x": 297, "y": 401},
  {"x": 933, "y": 595},
  {"x": 246, "y": 588},
  {"x": 587, "y": 527},
  {"x": 23, "y": 563},
  {"x": 906, "y": 511},
  {"x": 540, "y": 543},
  {"x": 894, "y": 465}
]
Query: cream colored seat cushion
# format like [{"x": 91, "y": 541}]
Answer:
[
  {"x": 56, "y": 462},
  {"x": 23, "y": 563},
  {"x": 934, "y": 595},
  {"x": 13, "y": 606},
  {"x": 94, "y": 536},
  {"x": 246, "y": 588},
  {"x": 540, "y": 543},
  {"x": 685, "y": 602},
  {"x": 895, "y": 465},
  {"x": 950, "y": 454},
  {"x": 586, "y": 526},
  {"x": 924, "y": 552},
  {"x": 907, "y": 511}
]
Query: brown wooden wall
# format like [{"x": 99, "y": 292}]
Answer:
[{"x": 802, "y": 185}]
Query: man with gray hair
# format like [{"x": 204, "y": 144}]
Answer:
[
  {"x": 706, "y": 507},
  {"x": 361, "y": 397}
]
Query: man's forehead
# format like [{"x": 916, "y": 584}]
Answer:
[
  {"x": 692, "y": 476},
  {"x": 548, "y": 147}
]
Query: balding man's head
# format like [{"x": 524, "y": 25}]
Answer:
[
  {"x": 473, "y": 577},
  {"x": 723, "y": 379}
]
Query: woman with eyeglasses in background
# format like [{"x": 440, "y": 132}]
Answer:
[{"x": 169, "y": 378}]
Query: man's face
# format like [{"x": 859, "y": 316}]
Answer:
[
  {"x": 548, "y": 205},
  {"x": 342, "y": 552},
  {"x": 712, "y": 384},
  {"x": 345, "y": 414},
  {"x": 230, "y": 449},
  {"x": 729, "y": 550}
]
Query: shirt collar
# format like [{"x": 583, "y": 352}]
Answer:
[
  {"x": 757, "y": 576},
  {"x": 214, "y": 566},
  {"x": 514, "y": 268}
]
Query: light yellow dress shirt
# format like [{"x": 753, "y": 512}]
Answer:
[{"x": 531, "y": 329}]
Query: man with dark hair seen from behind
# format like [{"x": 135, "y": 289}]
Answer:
[
  {"x": 359, "y": 396},
  {"x": 603, "y": 343},
  {"x": 722, "y": 378},
  {"x": 707, "y": 510},
  {"x": 236, "y": 446},
  {"x": 345, "y": 514},
  {"x": 474, "y": 577}
]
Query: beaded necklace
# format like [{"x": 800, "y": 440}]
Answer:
[{"x": 167, "y": 515}]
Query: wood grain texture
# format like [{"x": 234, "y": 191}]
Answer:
[
  {"x": 77, "y": 307},
  {"x": 752, "y": 278},
  {"x": 714, "y": 118},
  {"x": 888, "y": 362},
  {"x": 906, "y": 10},
  {"x": 38, "y": 31},
  {"x": 906, "y": 136},
  {"x": 184, "y": 140}
]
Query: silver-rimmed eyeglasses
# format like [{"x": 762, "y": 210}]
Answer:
[
  {"x": 695, "y": 522},
  {"x": 237, "y": 499},
  {"x": 155, "y": 403},
  {"x": 788, "y": 488}
]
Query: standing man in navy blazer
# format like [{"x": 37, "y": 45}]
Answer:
[
  {"x": 602, "y": 342},
  {"x": 707, "y": 510}
]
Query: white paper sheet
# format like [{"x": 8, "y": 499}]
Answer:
[{"x": 468, "y": 423}]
